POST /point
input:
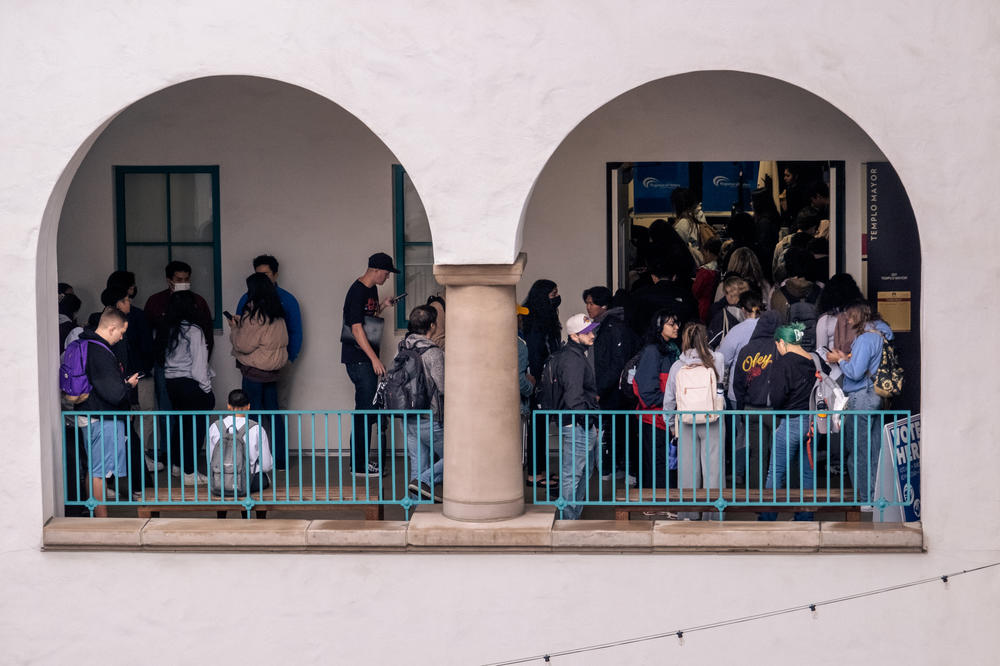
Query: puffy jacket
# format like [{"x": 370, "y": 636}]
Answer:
[
  {"x": 257, "y": 344},
  {"x": 754, "y": 362},
  {"x": 651, "y": 376}
]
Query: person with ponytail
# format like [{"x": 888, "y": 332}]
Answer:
[
  {"x": 700, "y": 446},
  {"x": 791, "y": 383}
]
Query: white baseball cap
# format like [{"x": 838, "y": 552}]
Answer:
[{"x": 580, "y": 323}]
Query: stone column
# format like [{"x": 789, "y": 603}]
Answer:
[{"x": 482, "y": 442}]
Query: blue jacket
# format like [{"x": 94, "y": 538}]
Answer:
[
  {"x": 293, "y": 320},
  {"x": 866, "y": 353}
]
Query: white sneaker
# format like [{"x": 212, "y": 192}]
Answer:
[
  {"x": 631, "y": 480},
  {"x": 155, "y": 465},
  {"x": 175, "y": 470},
  {"x": 194, "y": 478}
]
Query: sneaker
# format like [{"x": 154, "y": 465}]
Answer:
[
  {"x": 156, "y": 465},
  {"x": 373, "y": 471},
  {"x": 421, "y": 489},
  {"x": 631, "y": 480},
  {"x": 194, "y": 478},
  {"x": 606, "y": 477},
  {"x": 175, "y": 470}
]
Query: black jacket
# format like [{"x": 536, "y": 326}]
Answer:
[
  {"x": 791, "y": 382},
  {"x": 106, "y": 375},
  {"x": 754, "y": 363},
  {"x": 576, "y": 379},
  {"x": 614, "y": 345}
]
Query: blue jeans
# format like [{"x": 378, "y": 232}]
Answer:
[
  {"x": 365, "y": 383},
  {"x": 420, "y": 451},
  {"x": 264, "y": 396},
  {"x": 869, "y": 442},
  {"x": 579, "y": 450},
  {"x": 791, "y": 440}
]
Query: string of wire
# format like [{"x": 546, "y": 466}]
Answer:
[{"x": 680, "y": 633}]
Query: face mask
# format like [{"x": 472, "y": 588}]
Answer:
[
  {"x": 699, "y": 215},
  {"x": 182, "y": 286},
  {"x": 556, "y": 301}
]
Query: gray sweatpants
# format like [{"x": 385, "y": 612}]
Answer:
[{"x": 701, "y": 462}]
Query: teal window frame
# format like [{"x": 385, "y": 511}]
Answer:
[
  {"x": 123, "y": 244},
  {"x": 400, "y": 243}
]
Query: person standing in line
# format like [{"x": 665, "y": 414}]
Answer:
[
  {"x": 580, "y": 438},
  {"x": 752, "y": 369},
  {"x": 862, "y": 432},
  {"x": 541, "y": 332},
  {"x": 791, "y": 382},
  {"x": 260, "y": 345},
  {"x": 360, "y": 357},
  {"x": 425, "y": 438},
  {"x": 107, "y": 452},
  {"x": 437, "y": 303},
  {"x": 183, "y": 353},
  {"x": 700, "y": 450},
  {"x": 267, "y": 265},
  {"x": 651, "y": 374}
]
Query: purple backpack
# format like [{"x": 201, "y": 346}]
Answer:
[{"x": 73, "y": 380}]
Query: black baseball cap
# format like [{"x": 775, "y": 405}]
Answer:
[{"x": 382, "y": 261}]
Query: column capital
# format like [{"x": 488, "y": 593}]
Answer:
[{"x": 481, "y": 274}]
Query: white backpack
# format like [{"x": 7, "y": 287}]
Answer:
[
  {"x": 695, "y": 388},
  {"x": 826, "y": 395}
]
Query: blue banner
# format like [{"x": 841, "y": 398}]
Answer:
[
  {"x": 653, "y": 184},
  {"x": 903, "y": 439},
  {"x": 720, "y": 183}
]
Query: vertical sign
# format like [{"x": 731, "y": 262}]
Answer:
[
  {"x": 892, "y": 245},
  {"x": 900, "y": 462}
]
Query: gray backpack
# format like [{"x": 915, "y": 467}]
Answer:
[
  {"x": 229, "y": 460},
  {"x": 826, "y": 396}
]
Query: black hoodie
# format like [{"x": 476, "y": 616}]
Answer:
[
  {"x": 754, "y": 363},
  {"x": 106, "y": 375}
]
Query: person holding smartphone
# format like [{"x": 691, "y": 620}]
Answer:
[{"x": 360, "y": 356}]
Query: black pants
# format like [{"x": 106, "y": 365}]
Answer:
[
  {"x": 655, "y": 457},
  {"x": 187, "y": 433}
]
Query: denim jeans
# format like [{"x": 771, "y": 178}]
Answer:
[
  {"x": 791, "y": 440},
  {"x": 579, "y": 451},
  {"x": 365, "y": 383},
  {"x": 420, "y": 451},
  {"x": 869, "y": 442},
  {"x": 264, "y": 396}
]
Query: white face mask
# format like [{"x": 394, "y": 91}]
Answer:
[
  {"x": 699, "y": 214},
  {"x": 182, "y": 286}
]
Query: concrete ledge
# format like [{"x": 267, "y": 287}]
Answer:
[
  {"x": 900, "y": 537},
  {"x": 194, "y": 533},
  {"x": 589, "y": 535},
  {"x": 728, "y": 536},
  {"x": 357, "y": 534},
  {"x": 531, "y": 531},
  {"x": 117, "y": 533}
]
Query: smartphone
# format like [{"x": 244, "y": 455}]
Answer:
[
  {"x": 227, "y": 314},
  {"x": 140, "y": 375},
  {"x": 397, "y": 299}
]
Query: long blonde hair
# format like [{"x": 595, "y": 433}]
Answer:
[
  {"x": 695, "y": 336},
  {"x": 744, "y": 262}
]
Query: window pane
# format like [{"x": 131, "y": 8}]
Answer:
[
  {"x": 147, "y": 263},
  {"x": 415, "y": 226},
  {"x": 190, "y": 207},
  {"x": 145, "y": 207},
  {"x": 202, "y": 271},
  {"x": 420, "y": 282}
]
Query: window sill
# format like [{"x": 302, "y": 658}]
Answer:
[{"x": 428, "y": 531}]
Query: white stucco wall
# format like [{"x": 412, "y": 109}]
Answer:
[{"x": 474, "y": 98}]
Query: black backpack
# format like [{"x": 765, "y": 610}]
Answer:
[
  {"x": 625, "y": 381},
  {"x": 804, "y": 310},
  {"x": 548, "y": 391},
  {"x": 406, "y": 383}
]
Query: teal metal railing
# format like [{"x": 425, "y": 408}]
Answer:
[
  {"x": 139, "y": 458},
  {"x": 764, "y": 460}
]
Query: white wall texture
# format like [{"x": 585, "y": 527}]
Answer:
[{"x": 474, "y": 98}]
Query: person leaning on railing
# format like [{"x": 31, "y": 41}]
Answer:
[
  {"x": 861, "y": 431},
  {"x": 790, "y": 384}
]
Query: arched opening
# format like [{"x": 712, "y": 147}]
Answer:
[
  {"x": 214, "y": 172},
  {"x": 693, "y": 130}
]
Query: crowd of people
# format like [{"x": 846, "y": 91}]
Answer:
[{"x": 742, "y": 325}]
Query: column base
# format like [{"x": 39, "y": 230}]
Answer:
[{"x": 480, "y": 512}]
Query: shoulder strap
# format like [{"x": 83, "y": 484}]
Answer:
[{"x": 816, "y": 362}]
